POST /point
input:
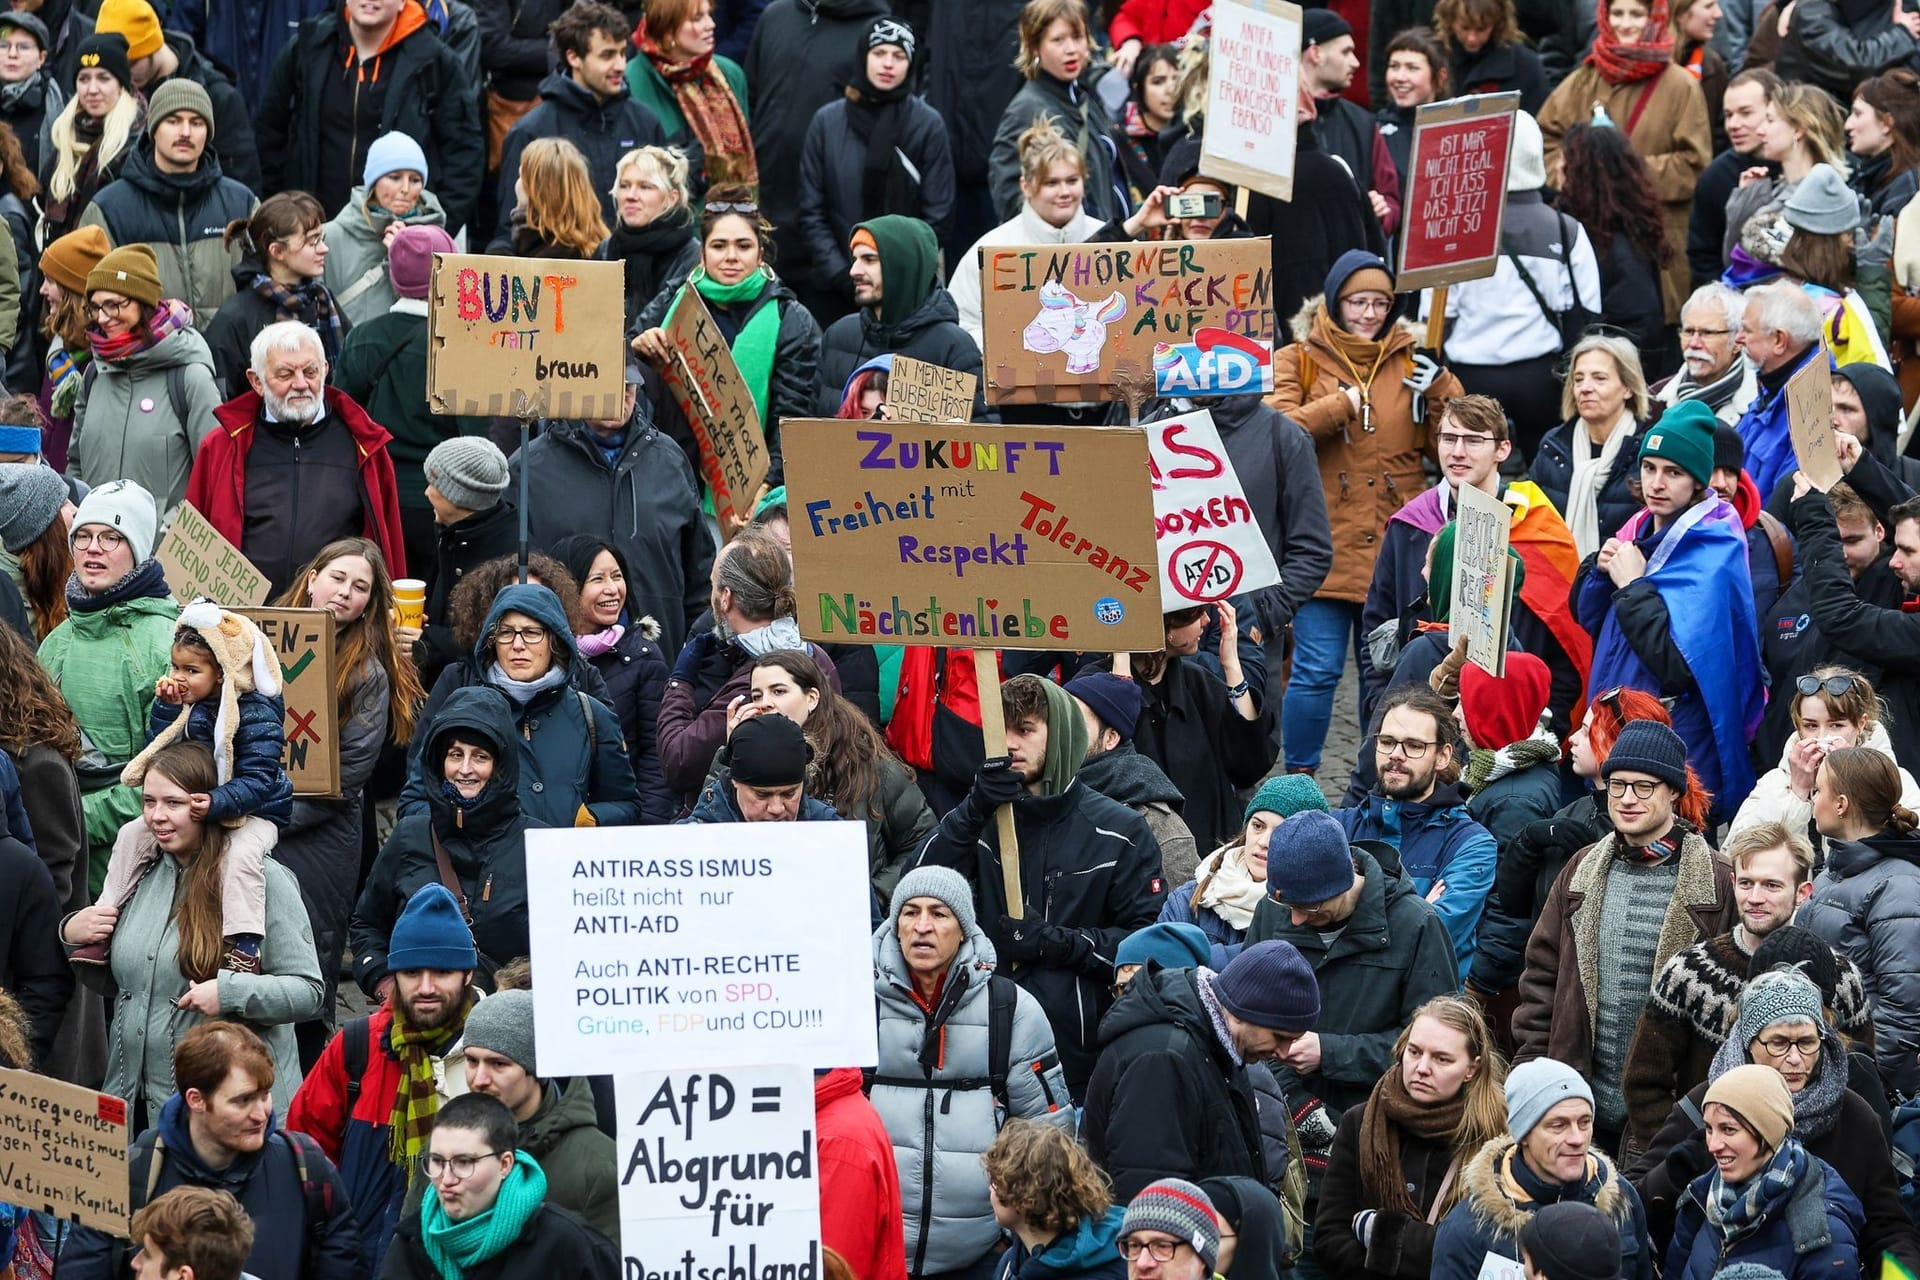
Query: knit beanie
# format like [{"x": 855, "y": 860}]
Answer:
[
  {"x": 1684, "y": 437},
  {"x": 1805, "y": 952},
  {"x": 1729, "y": 450},
  {"x": 70, "y": 259},
  {"x": 31, "y": 496},
  {"x": 768, "y": 751},
  {"x": 1175, "y": 946},
  {"x": 1747, "y": 1271},
  {"x": 469, "y": 471},
  {"x": 123, "y": 506},
  {"x": 390, "y": 153},
  {"x": 1527, "y": 167},
  {"x": 891, "y": 31},
  {"x": 109, "y": 53},
  {"x": 1536, "y": 1087},
  {"x": 248, "y": 664},
  {"x": 134, "y": 20},
  {"x": 1823, "y": 204},
  {"x": 1309, "y": 860},
  {"x": 942, "y": 883},
  {"x": 131, "y": 270},
  {"x": 503, "y": 1024},
  {"x": 1286, "y": 794},
  {"x": 909, "y": 264},
  {"x": 1757, "y": 1095},
  {"x": 1773, "y": 998},
  {"x": 410, "y": 258},
  {"x": 1501, "y": 710},
  {"x": 1117, "y": 701},
  {"x": 1647, "y": 746},
  {"x": 1179, "y": 1209},
  {"x": 1571, "y": 1240},
  {"x": 1270, "y": 985},
  {"x": 430, "y": 934},
  {"x": 1317, "y": 26},
  {"x": 179, "y": 94}
]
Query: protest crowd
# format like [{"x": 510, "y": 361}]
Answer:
[{"x": 1601, "y": 961}]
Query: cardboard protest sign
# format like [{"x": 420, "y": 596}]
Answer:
[
  {"x": 1077, "y": 322},
  {"x": 1215, "y": 363},
  {"x": 1810, "y": 422},
  {"x": 718, "y": 406},
  {"x": 1456, "y": 197},
  {"x": 199, "y": 562},
  {"x": 63, "y": 1150},
  {"x": 922, "y": 392},
  {"x": 1482, "y": 577},
  {"x": 303, "y": 641},
  {"x": 978, "y": 537},
  {"x": 526, "y": 337},
  {"x": 699, "y": 947},
  {"x": 1211, "y": 547},
  {"x": 719, "y": 1173},
  {"x": 1253, "y": 94}
]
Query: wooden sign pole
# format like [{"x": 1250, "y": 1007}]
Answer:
[
  {"x": 1437, "y": 319},
  {"x": 993, "y": 730}
]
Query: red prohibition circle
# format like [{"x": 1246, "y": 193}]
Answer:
[{"x": 1215, "y": 552}]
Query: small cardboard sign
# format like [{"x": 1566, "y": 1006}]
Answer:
[
  {"x": 63, "y": 1151},
  {"x": 1008, "y": 537},
  {"x": 1483, "y": 577},
  {"x": 199, "y": 562},
  {"x": 719, "y": 407},
  {"x": 303, "y": 641},
  {"x": 1456, "y": 197},
  {"x": 1253, "y": 95},
  {"x": 921, "y": 392},
  {"x": 526, "y": 337},
  {"x": 1211, "y": 546},
  {"x": 1810, "y": 422},
  {"x": 1215, "y": 363},
  {"x": 1082, "y": 322}
]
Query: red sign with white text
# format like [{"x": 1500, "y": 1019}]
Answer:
[{"x": 1456, "y": 190}]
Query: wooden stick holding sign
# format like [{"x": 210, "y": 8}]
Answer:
[{"x": 993, "y": 732}]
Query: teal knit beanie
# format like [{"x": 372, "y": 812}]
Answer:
[
  {"x": 1286, "y": 794},
  {"x": 1684, "y": 437}
]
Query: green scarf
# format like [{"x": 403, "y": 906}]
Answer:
[
  {"x": 753, "y": 348},
  {"x": 1066, "y": 740},
  {"x": 458, "y": 1247},
  {"x": 1440, "y": 579}
]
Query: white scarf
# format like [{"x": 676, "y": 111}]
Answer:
[
  {"x": 1589, "y": 478},
  {"x": 1224, "y": 887}
]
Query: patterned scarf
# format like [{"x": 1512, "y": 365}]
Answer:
[
  {"x": 1737, "y": 1210},
  {"x": 88, "y": 178},
  {"x": 415, "y": 1102},
  {"x": 457, "y": 1248},
  {"x": 1622, "y": 63},
  {"x": 1660, "y": 850},
  {"x": 168, "y": 318},
  {"x": 1816, "y": 1108},
  {"x": 1391, "y": 1114},
  {"x": 66, "y": 371},
  {"x": 1484, "y": 766},
  {"x": 308, "y": 302},
  {"x": 711, "y": 110}
]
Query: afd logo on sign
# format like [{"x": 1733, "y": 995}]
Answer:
[{"x": 1217, "y": 362}]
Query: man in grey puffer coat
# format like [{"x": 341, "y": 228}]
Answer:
[{"x": 933, "y": 978}]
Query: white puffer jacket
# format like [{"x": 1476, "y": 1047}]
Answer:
[{"x": 1773, "y": 800}]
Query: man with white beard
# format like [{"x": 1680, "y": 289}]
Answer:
[
  {"x": 295, "y": 463},
  {"x": 1713, "y": 371}
]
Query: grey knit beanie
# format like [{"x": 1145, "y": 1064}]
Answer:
[
  {"x": 503, "y": 1024},
  {"x": 1536, "y": 1087},
  {"x": 1180, "y": 1209},
  {"x": 1777, "y": 996},
  {"x": 943, "y": 883},
  {"x": 469, "y": 471},
  {"x": 179, "y": 94},
  {"x": 30, "y": 499}
]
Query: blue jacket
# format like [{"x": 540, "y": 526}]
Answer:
[
  {"x": 1437, "y": 840},
  {"x": 16, "y": 816},
  {"x": 1179, "y": 909},
  {"x": 1488, "y": 1217},
  {"x": 1764, "y": 431},
  {"x": 1092, "y": 1252},
  {"x": 1812, "y": 1230},
  {"x": 259, "y": 787},
  {"x": 716, "y": 804}
]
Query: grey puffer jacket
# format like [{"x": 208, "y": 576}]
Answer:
[
  {"x": 356, "y": 273},
  {"x": 931, "y": 1094},
  {"x": 116, "y": 438},
  {"x": 1866, "y": 905}
]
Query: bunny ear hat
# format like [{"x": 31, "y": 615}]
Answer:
[{"x": 248, "y": 664}]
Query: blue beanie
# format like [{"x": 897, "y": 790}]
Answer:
[
  {"x": 431, "y": 935},
  {"x": 1286, "y": 794},
  {"x": 1647, "y": 746},
  {"x": 15, "y": 438},
  {"x": 1175, "y": 946},
  {"x": 390, "y": 153},
  {"x": 1309, "y": 860},
  {"x": 1115, "y": 700}
]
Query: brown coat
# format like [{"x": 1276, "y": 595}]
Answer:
[
  {"x": 1672, "y": 135},
  {"x": 1367, "y": 474},
  {"x": 1556, "y": 1016}
]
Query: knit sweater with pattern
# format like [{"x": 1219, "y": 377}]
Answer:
[{"x": 1632, "y": 910}]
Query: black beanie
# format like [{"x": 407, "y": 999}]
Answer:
[
  {"x": 1729, "y": 450},
  {"x": 109, "y": 53},
  {"x": 1793, "y": 947},
  {"x": 768, "y": 751},
  {"x": 1572, "y": 1240}
]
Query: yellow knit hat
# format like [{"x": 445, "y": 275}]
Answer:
[{"x": 134, "y": 19}]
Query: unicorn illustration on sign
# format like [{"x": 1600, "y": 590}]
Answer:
[{"x": 1069, "y": 325}]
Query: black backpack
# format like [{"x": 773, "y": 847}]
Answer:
[{"x": 1002, "y": 997}]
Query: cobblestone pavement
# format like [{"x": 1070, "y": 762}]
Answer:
[{"x": 1343, "y": 739}]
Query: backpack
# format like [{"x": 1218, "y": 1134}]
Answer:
[
  {"x": 1002, "y": 998},
  {"x": 145, "y": 1159}
]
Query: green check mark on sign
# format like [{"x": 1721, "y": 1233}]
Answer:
[{"x": 292, "y": 673}]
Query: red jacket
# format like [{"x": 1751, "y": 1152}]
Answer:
[
  {"x": 859, "y": 1184},
  {"x": 1154, "y": 21},
  {"x": 217, "y": 485}
]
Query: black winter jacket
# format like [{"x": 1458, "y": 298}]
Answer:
[
  {"x": 1552, "y": 470},
  {"x": 636, "y": 674},
  {"x": 33, "y": 964},
  {"x": 555, "y": 1243},
  {"x": 971, "y": 77},
  {"x": 1866, "y": 906},
  {"x": 1399, "y": 1246},
  {"x": 241, "y": 316},
  {"x": 932, "y": 333},
  {"x": 1068, "y": 104},
  {"x": 182, "y": 217},
  {"x": 1792, "y": 643},
  {"x": 30, "y": 111},
  {"x": 832, "y": 169},
  {"x": 658, "y": 259},
  {"x": 603, "y": 129},
  {"x": 1189, "y": 728},
  {"x": 1825, "y": 48},
  {"x": 1498, "y": 68},
  {"x": 515, "y": 51},
  {"x": 1166, "y": 1099}
]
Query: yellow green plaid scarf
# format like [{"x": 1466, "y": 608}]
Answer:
[{"x": 414, "y": 1102}]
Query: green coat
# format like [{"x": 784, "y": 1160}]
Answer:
[
  {"x": 357, "y": 251},
  {"x": 392, "y": 348},
  {"x": 651, "y": 90},
  {"x": 564, "y": 1136},
  {"x": 117, "y": 436},
  {"x": 105, "y": 664}
]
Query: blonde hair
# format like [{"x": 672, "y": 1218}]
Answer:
[
  {"x": 1484, "y": 1117},
  {"x": 561, "y": 204},
  {"x": 1034, "y": 21},
  {"x": 1744, "y": 845},
  {"x": 114, "y": 134},
  {"x": 1196, "y": 70},
  {"x": 663, "y": 167},
  {"x": 1043, "y": 146},
  {"x": 1821, "y": 122},
  {"x": 1626, "y": 361}
]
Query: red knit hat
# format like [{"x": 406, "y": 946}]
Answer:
[{"x": 1503, "y": 710}]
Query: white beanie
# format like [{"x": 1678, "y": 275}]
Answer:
[{"x": 124, "y": 506}]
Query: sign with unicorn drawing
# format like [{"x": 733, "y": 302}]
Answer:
[{"x": 1082, "y": 322}]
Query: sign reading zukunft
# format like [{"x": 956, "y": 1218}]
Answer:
[
  {"x": 699, "y": 947},
  {"x": 1004, "y": 537}
]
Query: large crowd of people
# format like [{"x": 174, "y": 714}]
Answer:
[{"x": 1601, "y": 960}]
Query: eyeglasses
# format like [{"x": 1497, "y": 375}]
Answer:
[
  {"x": 1618, "y": 787},
  {"x": 1781, "y": 1046},
  {"x": 1688, "y": 335},
  {"x": 101, "y": 310},
  {"x": 434, "y": 1167},
  {"x": 104, "y": 539},
  {"x": 1454, "y": 440},
  {"x": 1353, "y": 304},
  {"x": 19, "y": 48},
  {"x": 529, "y": 636},
  {"x": 312, "y": 240},
  {"x": 1837, "y": 686},
  {"x": 1412, "y": 748},
  {"x": 1162, "y": 1250}
]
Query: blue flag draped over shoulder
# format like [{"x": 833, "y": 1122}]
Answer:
[{"x": 1700, "y": 570}]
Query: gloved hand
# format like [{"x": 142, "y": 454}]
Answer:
[
  {"x": 996, "y": 783},
  {"x": 1315, "y": 1127},
  {"x": 1539, "y": 843},
  {"x": 1425, "y": 371},
  {"x": 1032, "y": 941},
  {"x": 1363, "y": 1227},
  {"x": 692, "y": 654}
]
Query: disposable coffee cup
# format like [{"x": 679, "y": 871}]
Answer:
[{"x": 410, "y": 601}]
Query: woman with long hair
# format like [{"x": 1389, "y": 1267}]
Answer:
[
  {"x": 166, "y": 947},
  {"x": 1487, "y": 51},
  {"x": 653, "y": 234},
  {"x": 1831, "y": 707},
  {"x": 1693, "y": 23},
  {"x": 1803, "y": 127},
  {"x": 1153, "y": 103},
  {"x": 280, "y": 276},
  {"x": 34, "y": 534},
  {"x": 1883, "y": 133},
  {"x": 1053, "y": 210},
  {"x": 1586, "y": 465},
  {"x": 1395, "y": 1167},
  {"x": 556, "y": 212},
  {"x": 392, "y": 194},
  {"x": 92, "y": 136},
  {"x": 699, "y": 97},
  {"x": 1604, "y": 184},
  {"x": 1056, "y": 1203},
  {"x": 1821, "y": 225},
  {"x": 1057, "y": 60}
]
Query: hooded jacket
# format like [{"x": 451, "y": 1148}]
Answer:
[
  {"x": 183, "y": 218},
  {"x": 1167, "y": 1098},
  {"x": 1772, "y": 799},
  {"x": 574, "y": 771},
  {"x": 708, "y": 674},
  {"x": 604, "y": 129},
  {"x": 356, "y": 270},
  {"x": 114, "y": 438},
  {"x": 1091, "y": 1251},
  {"x": 1438, "y": 841},
  {"x": 916, "y": 318},
  {"x": 931, "y": 1091},
  {"x": 832, "y": 168},
  {"x": 1082, "y": 117},
  {"x": 1139, "y": 783},
  {"x": 1811, "y": 1229},
  {"x": 1866, "y": 905},
  {"x": 577, "y": 1158},
  {"x": 486, "y": 844},
  {"x": 859, "y": 1187},
  {"x": 1501, "y": 1193},
  {"x": 258, "y": 787}
]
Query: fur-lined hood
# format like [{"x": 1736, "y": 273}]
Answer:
[
  {"x": 1497, "y": 1201},
  {"x": 1303, "y": 320}
]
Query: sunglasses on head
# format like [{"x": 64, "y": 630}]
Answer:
[
  {"x": 1837, "y": 686},
  {"x": 742, "y": 208}
]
